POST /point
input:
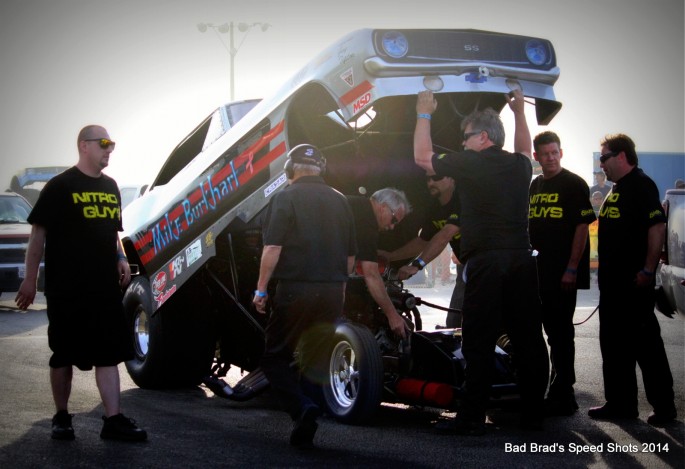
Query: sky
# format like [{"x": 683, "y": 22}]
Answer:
[{"x": 142, "y": 69}]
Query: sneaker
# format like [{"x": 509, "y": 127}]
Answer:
[
  {"x": 609, "y": 412},
  {"x": 302, "y": 435},
  {"x": 119, "y": 427},
  {"x": 460, "y": 426},
  {"x": 61, "y": 426},
  {"x": 661, "y": 419}
]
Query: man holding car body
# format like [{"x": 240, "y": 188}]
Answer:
[{"x": 500, "y": 272}]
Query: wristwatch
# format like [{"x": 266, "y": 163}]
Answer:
[{"x": 418, "y": 263}]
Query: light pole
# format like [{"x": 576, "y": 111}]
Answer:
[{"x": 229, "y": 28}]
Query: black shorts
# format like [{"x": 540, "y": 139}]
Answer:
[{"x": 87, "y": 333}]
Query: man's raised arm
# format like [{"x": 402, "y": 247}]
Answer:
[
  {"x": 522, "y": 142},
  {"x": 423, "y": 144}
]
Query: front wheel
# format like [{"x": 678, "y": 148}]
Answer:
[
  {"x": 355, "y": 386},
  {"x": 174, "y": 347}
]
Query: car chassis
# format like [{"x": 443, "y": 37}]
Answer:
[{"x": 369, "y": 365}]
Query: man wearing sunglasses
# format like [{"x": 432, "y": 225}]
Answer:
[
  {"x": 440, "y": 229},
  {"x": 631, "y": 236},
  {"x": 76, "y": 221},
  {"x": 380, "y": 212},
  {"x": 500, "y": 271}
]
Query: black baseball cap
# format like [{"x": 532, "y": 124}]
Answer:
[{"x": 307, "y": 154}]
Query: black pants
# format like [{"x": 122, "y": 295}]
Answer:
[
  {"x": 502, "y": 293},
  {"x": 629, "y": 333},
  {"x": 558, "y": 307},
  {"x": 303, "y": 318},
  {"x": 454, "y": 318}
]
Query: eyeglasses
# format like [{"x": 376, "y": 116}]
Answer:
[
  {"x": 393, "y": 220},
  {"x": 468, "y": 135},
  {"x": 435, "y": 177},
  {"x": 104, "y": 143},
  {"x": 603, "y": 158}
]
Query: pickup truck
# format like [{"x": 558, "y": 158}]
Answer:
[
  {"x": 672, "y": 266},
  {"x": 194, "y": 237}
]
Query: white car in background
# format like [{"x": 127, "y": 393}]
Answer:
[{"x": 15, "y": 231}]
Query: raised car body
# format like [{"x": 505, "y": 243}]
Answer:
[{"x": 195, "y": 234}]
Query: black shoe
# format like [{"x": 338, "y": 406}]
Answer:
[
  {"x": 460, "y": 426},
  {"x": 61, "y": 426},
  {"x": 560, "y": 407},
  {"x": 305, "y": 427},
  {"x": 119, "y": 427},
  {"x": 662, "y": 419},
  {"x": 609, "y": 412}
]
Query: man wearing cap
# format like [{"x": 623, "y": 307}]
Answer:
[
  {"x": 559, "y": 216},
  {"x": 631, "y": 236},
  {"x": 309, "y": 248}
]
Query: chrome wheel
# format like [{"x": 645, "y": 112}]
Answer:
[
  {"x": 141, "y": 332},
  {"x": 344, "y": 375}
]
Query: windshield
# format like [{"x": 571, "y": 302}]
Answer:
[{"x": 14, "y": 209}]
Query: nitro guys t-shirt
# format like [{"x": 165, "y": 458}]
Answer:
[{"x": 82, "y": 216}]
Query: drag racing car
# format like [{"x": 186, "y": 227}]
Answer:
[{"x": 194, "y": 238}]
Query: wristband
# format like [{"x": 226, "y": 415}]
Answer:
[
  {"x": 647, "y": 272},
  {"x": 571, "y": 271},
  {"x": 121, "y": 257},
  {"x": 423, "y": 116},
  {"x": 418, "y": 263},
  {"x": 260, "y": 294}
]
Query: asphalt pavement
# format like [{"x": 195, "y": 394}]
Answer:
[{"x": 191, "y": 428}]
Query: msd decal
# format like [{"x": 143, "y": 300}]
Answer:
[
  {"x": 361, "y": 103},
  {"x": 356, "y": 93}
]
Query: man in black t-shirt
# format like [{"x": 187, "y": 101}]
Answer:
[
  {"x": 382, "y": 211},
  {"x": 631, "y": 237},
  {"x": 441, "y": 228},
  {"x": 76, "y": 221},
  {"x": 309, "y": 248},
  {"x": 560, "y": 212},
  {"x": 500, "y": 272}
]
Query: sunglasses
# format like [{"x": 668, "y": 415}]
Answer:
[
  {"x": 104, "y": 143},
  {"x": 434, "y": 177},
  {"x": 603, "y": 158},
  {"x": 468, "y": 135}
]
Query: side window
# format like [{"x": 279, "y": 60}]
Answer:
[
  {"x": 217, "y": 127},
  {"x": 226, "y": 117}
]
